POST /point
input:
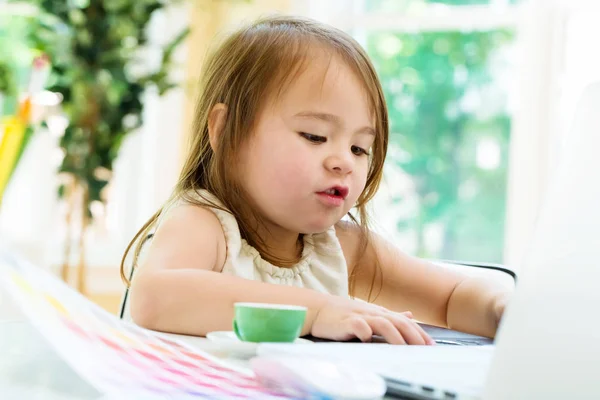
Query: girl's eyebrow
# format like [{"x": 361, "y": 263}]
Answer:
[{"x": 332, "y": 119}]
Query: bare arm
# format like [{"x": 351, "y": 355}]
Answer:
[
  {"x": 434, "y": 294},
  {"x": 476, "y": 306},
  {"x": 180, "y": 288},
  {"x": 195, "y": 302}
]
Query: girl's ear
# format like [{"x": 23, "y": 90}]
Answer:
[{"x": 216, "y": 122}]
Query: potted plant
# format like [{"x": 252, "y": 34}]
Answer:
[{"x": 93, "y": 47}]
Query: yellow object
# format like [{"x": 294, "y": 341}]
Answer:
[{"x": 13, "y": 135}]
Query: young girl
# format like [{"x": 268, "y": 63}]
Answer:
[{"x": 290, "y": 136}]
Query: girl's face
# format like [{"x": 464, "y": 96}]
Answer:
[{"x": 307, "y": 161}]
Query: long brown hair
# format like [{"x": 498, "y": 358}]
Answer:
[{"x": 243, "y": 73}]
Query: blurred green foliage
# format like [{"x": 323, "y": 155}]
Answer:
[
  {"x": 7, "y": 80},
  {"x": 94, "y": 47},
  {"x": 428, "y": 79},
  {"x": 15, "y": 59}
]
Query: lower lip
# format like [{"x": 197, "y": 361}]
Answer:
[{"x": 330, "y": 200}]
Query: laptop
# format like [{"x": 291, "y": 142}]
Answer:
[{"x": 548, "y": 344}]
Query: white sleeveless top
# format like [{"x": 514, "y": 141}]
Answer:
[{"x": 322, "y": 267}]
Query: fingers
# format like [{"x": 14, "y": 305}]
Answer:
[
  {"x": 428, "y": 339},
  {"x": 384, "y": 327},
  {"x": 420, "y": 331},
  {"x": 411, "y": 331},
  {"x": 361, "y": 329},
  {"x": 395, "y": 329}
]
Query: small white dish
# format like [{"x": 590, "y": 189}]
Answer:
[{"x": 236, "y": 347}]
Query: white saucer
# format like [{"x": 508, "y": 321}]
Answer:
[{"x": 239, "y": 348}]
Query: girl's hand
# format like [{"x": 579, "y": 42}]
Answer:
[
  {"x": 344, "y": 319},
  {"x": 498, "y": 307}
]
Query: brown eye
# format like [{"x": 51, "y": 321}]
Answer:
[
  {"x": 313, "y": 138},
  {"x": 359, "y": 151}
]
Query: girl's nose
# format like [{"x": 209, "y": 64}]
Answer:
[{"x": 339, "y": 164}]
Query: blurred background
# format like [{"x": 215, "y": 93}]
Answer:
[{"x": 96, "y": 98}]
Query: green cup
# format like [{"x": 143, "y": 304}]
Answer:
[{"x": 260, "y": 322}]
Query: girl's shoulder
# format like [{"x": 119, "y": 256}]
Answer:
[{"x": 190, "y": 230}]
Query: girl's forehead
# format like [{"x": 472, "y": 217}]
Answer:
[{"x": 325, "y": 81}]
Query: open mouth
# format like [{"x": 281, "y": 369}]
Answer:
[{"x": 337, "y": 191}]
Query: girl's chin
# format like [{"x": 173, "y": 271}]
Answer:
[{"x": 318, "y": 227}]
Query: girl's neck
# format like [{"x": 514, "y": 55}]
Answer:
[{"x": 285, "y": 248}]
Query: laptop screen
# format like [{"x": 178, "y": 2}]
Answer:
[{"x": 548, "y": 345}]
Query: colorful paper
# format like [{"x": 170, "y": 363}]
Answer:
[{"x": 117, "y": 357}]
